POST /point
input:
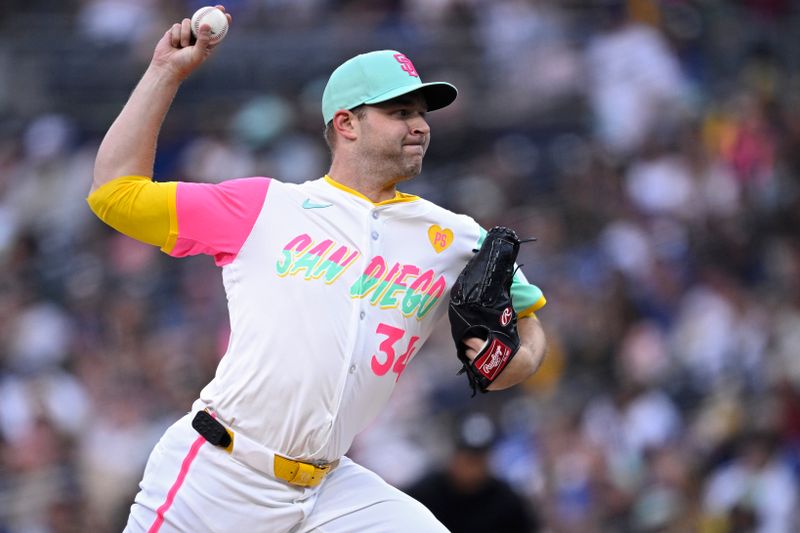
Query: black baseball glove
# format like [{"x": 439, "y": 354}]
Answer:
[{"x": 480, "y": 306}]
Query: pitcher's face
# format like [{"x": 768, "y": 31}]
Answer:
[{"x": 394, "y": 135}]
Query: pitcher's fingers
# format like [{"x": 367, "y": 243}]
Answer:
[
  {"x": 175, "y": 35},
  {"x": 203, "y": 37},
  {"x": 474, "y": 346},
  {"x": 186, "y": 33},
  {"x": 227, "y": 15},
  {"x": 475, "y": 343}
]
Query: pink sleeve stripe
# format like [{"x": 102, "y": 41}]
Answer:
[{"x": 216, "y": 219}]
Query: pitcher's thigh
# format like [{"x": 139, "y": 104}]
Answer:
[{"x": 192, "y": 486}]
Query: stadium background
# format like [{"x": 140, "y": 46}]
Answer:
[{"x": 653, "y": 147}]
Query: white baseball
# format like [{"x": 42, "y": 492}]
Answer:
[{"x": 215, "y": 18}]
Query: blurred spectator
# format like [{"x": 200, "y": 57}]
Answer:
[
  {"x": 755, "y": 491},
  {"x": 116, "y": 21},
  {"x": 635, "y": 82},
  {"x": 665, "y": 502},
  {"x": 718, "y": 335},
  {"x": 465, "y": 496},
  {"x": 525, "y": 45}
]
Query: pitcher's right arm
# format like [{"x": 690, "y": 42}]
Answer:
[{"x": 129, "y": 146}]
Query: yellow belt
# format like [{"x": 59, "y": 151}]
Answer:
[
  {"x": 289, "y": 470},
  {"x": 301, "y": 474}
]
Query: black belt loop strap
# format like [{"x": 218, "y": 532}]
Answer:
[{"x": 211, "y": 430}]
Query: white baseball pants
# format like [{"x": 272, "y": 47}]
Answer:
[{"x": 191, "y": 486}]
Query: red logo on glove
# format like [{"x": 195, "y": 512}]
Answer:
[
  {"x": 406, "y": 64},
  {"x": 505, "y": 318},
  {"x": 493, "y": 360}
]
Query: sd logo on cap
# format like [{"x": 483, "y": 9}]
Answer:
[{"x": 376, "y": 77}]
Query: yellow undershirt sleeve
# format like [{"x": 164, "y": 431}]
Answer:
[
  {"x": 531, "y": 311},
  {"x": 139, "y": 208}
]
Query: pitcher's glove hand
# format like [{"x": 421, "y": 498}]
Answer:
[{"x": 480, "y": 306}]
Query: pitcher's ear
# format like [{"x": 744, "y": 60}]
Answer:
[{"x": 346, "y": 124}]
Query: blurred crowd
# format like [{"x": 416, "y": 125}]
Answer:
[{"x": 652, "y": 147}]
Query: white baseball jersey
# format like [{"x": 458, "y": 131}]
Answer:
[{"x": 330, "y": 297}]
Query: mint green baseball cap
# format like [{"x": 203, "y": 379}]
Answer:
[{"x": 376, "y": 77}]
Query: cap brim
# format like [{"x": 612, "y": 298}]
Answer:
[{"x": 438, "y": 94}]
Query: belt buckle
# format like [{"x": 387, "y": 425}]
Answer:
[
  {"x": 320, "y": 465},
  {"x": 306, "y": 475},
  {"x": 300, "y": 473}
]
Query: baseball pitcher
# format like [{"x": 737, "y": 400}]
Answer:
[{"x": 333, "y": 285}]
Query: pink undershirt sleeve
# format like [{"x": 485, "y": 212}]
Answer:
[{"x": 216, "y": 219}]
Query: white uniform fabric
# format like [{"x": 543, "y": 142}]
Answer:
[
  {"x": 329, "y": 297},
  {"x": 306, "y": 367},
  {"x": 218, "y": 494}
]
